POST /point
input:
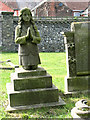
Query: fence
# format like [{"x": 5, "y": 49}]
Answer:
[{"x": 49, "y": 28}]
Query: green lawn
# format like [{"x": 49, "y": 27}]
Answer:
[{"x": 55, "y": 64}]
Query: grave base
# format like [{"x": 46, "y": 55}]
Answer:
[
  {"x": 41, "y": 105},
  {"x": 77, "y": 84},
  {"x": 32, "y": 89}
]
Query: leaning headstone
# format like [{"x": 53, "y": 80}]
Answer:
[
  {"x": 77, "y": 44},
  {"x": 31, "y": 86}
]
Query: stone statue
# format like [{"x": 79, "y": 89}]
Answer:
[{"x": 27, "y": 36}]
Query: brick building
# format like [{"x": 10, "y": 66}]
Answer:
[
  {"x": 9, "y": 6},
  {"x": 51, "y": 9},
  {"x": 77, "y": 7},
  {"x": 46, "y": 8},
  {"x": 59, "y": 8}
]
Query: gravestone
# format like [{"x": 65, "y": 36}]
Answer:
[
  {"x": 31, "y": 86},
  {"x": 77, "y": 44}
]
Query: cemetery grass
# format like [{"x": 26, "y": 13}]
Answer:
[{"x": 55, "y": 64}]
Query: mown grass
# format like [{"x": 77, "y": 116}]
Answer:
[{"x": 55, "y": 64}]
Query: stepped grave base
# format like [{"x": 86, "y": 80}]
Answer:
[{"x": 32, "y": 89}]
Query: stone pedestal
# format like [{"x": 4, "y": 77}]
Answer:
[
  {"x": 77, "y": 44},
  {"x": 31, "y": 89}
]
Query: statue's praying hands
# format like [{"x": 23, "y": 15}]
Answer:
[{"x": 27, "y": 36}]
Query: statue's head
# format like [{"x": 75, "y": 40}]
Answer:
[{"x": 25, "y": 15}]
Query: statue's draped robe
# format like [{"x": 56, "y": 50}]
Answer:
[{"x": 28, "y": 51}]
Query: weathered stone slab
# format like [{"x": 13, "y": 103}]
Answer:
[
  {"x": 32, "y": 82},
  {"x": 80, "y": 83},
  {"x": 77, "y": 43},
  {"x": 26, "y": 73},
  {"x": 82, "y": 48},
  {"x": 33, "y": 96},
  {"x": 6, "y": 68},
  {"x": 25, "y": 107}
]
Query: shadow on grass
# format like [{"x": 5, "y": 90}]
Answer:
[{"x": 51, "y": 112}]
